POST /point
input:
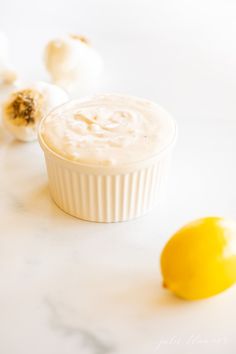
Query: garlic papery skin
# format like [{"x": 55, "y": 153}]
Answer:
[
  {"x": 73, "y": 64},
  {"x": 7, "y": 73},
  {"x": 24, "y": 109}
]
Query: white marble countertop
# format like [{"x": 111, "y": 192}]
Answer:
[
  {"x": 73, "y": 287},
  {"x": 69, "y": 286}
]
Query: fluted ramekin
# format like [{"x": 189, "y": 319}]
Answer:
[{"x": 107, "y": 193}]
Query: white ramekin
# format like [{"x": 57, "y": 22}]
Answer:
[{"x": 106, "y": 193}]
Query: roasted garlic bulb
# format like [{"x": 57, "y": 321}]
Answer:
[
  {"x": 73, "y": 64},
  {"x": 7, "y": 73},
  {"x": 24, "y": 109}
]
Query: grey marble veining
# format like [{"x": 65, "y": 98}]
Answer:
[{"x": 87, "y": 340}]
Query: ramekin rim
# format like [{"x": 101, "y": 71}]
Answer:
[{"x": 165, "y": 148}]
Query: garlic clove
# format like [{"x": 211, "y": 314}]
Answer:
[
  {"x": 73, "y": 63},
  {"x": 24, "y": 109}
]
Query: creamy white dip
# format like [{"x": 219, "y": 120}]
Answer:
[{"x": 108, "y": 130}]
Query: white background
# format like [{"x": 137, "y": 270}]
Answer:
[{"x": 182, "y": 54}]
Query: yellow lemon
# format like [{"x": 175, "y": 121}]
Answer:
[{"x": 199, "y": 261}]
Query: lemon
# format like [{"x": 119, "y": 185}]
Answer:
[{"x": 199, "y": 261}]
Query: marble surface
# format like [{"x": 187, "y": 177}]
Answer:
[
  {"x": 73, "y": 287},
  {"x": 69, "y": 286}
]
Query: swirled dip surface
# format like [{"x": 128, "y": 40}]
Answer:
[{"x": 108, "y": 130}]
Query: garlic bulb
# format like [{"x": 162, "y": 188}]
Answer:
[
  {"x": 7, "y": 73},
  {"x": 73, "y": 64},
  {"x": 24, "y": 109}
]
